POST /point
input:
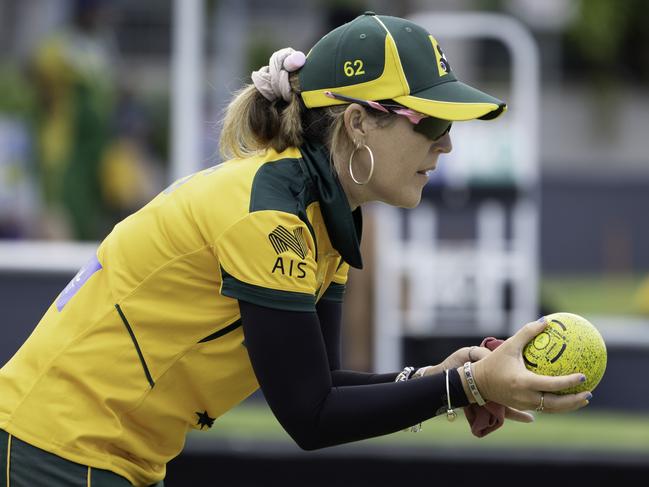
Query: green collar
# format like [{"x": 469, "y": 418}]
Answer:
[{"x": 343, "y": 225}]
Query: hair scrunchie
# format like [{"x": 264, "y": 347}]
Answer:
[{"x": 272, "y": 80}]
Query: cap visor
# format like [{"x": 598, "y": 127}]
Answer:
[{"x": 454, "y": 100}]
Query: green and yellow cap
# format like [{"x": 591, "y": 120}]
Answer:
[{"x": 377, "y": 57}]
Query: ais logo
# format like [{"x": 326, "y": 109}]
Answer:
[{"x": 282, "y": 241}]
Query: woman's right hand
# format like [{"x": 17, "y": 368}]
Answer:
[{"x": 502, "y": 377}]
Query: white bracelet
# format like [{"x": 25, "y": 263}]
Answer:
[
  {"x": 468, "y": 374},
  {"x": 450, "y": 414}
]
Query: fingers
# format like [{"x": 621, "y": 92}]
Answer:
[
  {"x": 553, "y": 403},
  {"x": 478, "y": 353},
  {"x": 553, "y": 384},
  {"x": 519, "y": 416},
  {"x": 529, "y": 331}
]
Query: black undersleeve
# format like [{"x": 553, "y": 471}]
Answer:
[
  {"x": 330, "y": 317},
  {"x": 288, "y": 353}
]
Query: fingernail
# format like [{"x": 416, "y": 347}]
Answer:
[
  {"x": 589, "y": 396},
  {"x": 541, "y": 319},
  {"x": 582, "y": 378}
]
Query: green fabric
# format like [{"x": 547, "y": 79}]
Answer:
[
  {"x": 335, "y": 292},
  {"x": 454, "y": 91},
  {"x": 3, "y": 457},
  {"x": 416, "y": 53},
  {"x": 31, "y": 466},
  {"x": 344, "y": 226},
  {"x": 280, "y": 185},
  {"x": 363, "y": 39},
  {"x": 261, "y": 296},
  {"x": 283, "y": 186},
  {"x": 136, "y": 345},
  {"x": 221, "y": 332},
  {"x": 325, "y": 61}
]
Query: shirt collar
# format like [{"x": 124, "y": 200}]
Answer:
[{"x": 343, "y": 225}]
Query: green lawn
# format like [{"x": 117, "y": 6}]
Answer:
[
  {"x": 582, "y": 430},
  {"x": 592, "y": 294}
]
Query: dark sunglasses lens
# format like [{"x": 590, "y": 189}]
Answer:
[{"x": 432, "y": 127}]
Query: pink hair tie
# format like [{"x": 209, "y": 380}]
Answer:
[
  {"x": 272, "y": 81},
  {"x": 294, "y": 61}
]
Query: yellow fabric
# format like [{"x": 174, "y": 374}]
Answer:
[
  {"x": 340, "y": 277},
  {"x": 438, "y": 57},
  {"x": 77, "y": 387}
]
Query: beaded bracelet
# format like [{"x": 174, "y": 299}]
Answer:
[
  {"x": 468, "y": 374},
  {"x": 404, "y": 374}
]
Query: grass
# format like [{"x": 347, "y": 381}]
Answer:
[
  {"x": 594, "y": 294},
  {"x": 583, "y": 430}
]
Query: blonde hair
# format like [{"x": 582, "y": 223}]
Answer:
[{"x": 253, "y": 124}]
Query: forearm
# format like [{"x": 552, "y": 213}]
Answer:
[
  {"x": 341, "y": 378},
  {"x": 289, "y": 357},
  {"x": 359, "y": 412}
]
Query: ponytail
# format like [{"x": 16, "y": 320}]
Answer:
[{"x": 253, "y": 124}]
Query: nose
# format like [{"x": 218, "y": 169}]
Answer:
[{"x": 443, "y": 144}]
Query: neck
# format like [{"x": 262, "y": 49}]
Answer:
[{"x": 355, "y": 193}]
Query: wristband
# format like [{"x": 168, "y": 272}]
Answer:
[{"x": 468, "y": 374}]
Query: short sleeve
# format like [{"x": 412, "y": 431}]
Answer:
[
  {"x": 336, "y": 290},
  {"x": 267, "y": 258}
]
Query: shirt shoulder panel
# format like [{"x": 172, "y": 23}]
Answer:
[{"x": 281, "y": 185}]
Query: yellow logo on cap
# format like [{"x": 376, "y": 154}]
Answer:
[
  {"x": 354, "y": 68},
  {"x": 443, "y": 67}
]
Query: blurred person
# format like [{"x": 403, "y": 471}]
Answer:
[
  {"x": 233, "y": 279},
  {"x": 73, "y": 72},
  {"x": 129, "y": 173}
]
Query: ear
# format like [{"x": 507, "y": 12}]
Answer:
[{"x": 356, "y": 122}]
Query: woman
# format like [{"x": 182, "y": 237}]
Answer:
[{"x": 233, "y": 278}]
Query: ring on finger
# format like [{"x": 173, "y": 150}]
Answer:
[{"x": 540, "y": 407}]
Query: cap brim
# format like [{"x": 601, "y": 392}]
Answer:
[{"x": 454, "y": 100}]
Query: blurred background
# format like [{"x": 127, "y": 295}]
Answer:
[{"x": 103, "y": 103}]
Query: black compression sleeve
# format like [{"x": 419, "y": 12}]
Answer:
[
  {"x": 330, "y": 317},
  {"x": 289, "y": 357}
]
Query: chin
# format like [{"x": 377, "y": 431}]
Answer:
[{"x": 410, "y": 201}]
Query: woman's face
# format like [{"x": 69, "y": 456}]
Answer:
[{"x": 402, "y": 159}]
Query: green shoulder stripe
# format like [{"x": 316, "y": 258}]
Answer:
[
  {"x": 270, "y": 298},
  {"x": 281, "y": 185}
]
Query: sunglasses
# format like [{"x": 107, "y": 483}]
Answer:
[{"x": 431, "y": 127}]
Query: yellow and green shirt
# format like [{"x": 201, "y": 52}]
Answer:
[{"x": 145, "y": 342}]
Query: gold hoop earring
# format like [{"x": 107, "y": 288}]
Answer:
[{"x": 351, "y": 159}]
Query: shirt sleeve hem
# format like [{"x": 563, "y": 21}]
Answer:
[
  {"x": 335, "y": 292},
  {"x": 270, "y": 298}
]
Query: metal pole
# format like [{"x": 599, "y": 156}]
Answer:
[{"x": 186, "y": 87}]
